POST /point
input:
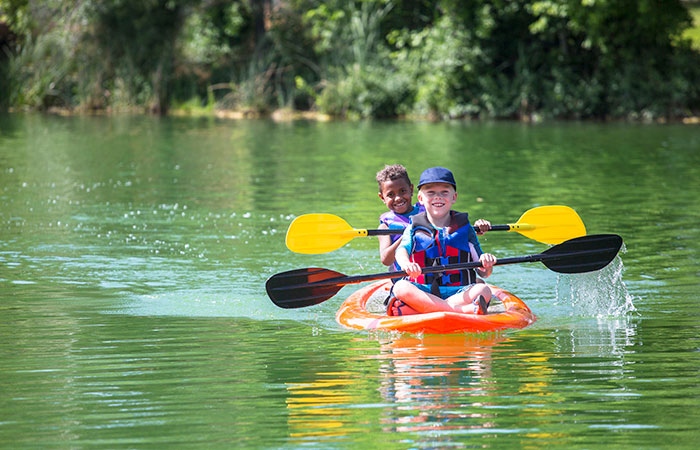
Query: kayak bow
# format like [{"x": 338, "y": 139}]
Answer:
[{"x": 513, "y": 313}]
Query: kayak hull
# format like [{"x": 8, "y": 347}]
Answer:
[{"x": 353, "y": 314}]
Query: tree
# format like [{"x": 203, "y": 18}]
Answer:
[{"x": 138, "y": 39}]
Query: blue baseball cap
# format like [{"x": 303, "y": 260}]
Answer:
[{"x": 437, "y": 175}]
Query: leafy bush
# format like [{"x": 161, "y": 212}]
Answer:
[
  {"x": 39, "y": 74},
  {"x": 367, "y": 92},
  {"x": 362, "y": 58}
]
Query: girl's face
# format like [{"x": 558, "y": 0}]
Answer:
[{"x": 396, "y": 195}]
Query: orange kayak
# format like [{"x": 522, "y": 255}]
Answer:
[{"x": 513, "y": 313}]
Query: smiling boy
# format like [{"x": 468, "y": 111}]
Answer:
[
  {"x": 440, "y": 236},
  {"x": 396, "y": 191}
]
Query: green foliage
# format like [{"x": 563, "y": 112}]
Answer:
[
  {"x": 692, "y": 33},
  {"x": 370, "y": 91},
  {"x": 357, "y": 79},
  {"x": 622, "y": 67},
  {"x": 361, "y": 58},
  {"x": 139, "y": 40},
  {"x": 37, "y": 72},
  {"x": 41, "y": 68},
  {"x": 16, "y": 14},
  {"x": 442, "y": 61}
]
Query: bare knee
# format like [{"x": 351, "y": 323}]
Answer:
[
  {"x": 480, "y": 289},
  {"x": 401, "y": 288}
]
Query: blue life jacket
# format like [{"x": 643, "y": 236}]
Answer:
[{"x": 456, "y": 243}]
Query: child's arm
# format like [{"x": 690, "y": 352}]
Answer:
[
  {"x": 387, "y": 249},
  {"x": 412, "y": 269},
  {"x": 487, "y": 260}
]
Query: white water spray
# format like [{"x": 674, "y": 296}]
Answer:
[{"x": 597, "y": 294}]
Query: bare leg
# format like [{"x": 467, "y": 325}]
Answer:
[
  {"x": 424, "y": 302},
  {"x": 464, "y": 301}
]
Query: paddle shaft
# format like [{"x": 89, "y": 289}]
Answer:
[
  {"x": 392, "y": 231},
  {"x": 384, "y": 232},
  {"x": 342, "y": 281}
]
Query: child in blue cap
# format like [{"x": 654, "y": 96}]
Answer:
[{"x": 440, "y": 236}]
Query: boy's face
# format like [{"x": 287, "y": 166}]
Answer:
[
  {"x": 437, "y": 198},
  {"x": 396, "y": 195}
]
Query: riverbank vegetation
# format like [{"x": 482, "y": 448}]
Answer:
[{"x": 446, "y": 59}]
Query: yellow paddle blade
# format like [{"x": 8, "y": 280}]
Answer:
[
  {"x": 319, "y": 233},
  {"x": 550, "y": 224}
]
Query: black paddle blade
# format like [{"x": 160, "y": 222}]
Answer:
[
  {"x": 296, "y": 288},
  {"x": 582, "y": 254}
]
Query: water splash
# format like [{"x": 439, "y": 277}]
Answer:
[{"x": 597, "y": 294}]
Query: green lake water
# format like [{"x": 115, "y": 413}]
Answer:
[{"x": 134, "y": 252}]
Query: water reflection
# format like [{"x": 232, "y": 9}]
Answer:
[
  {"x": 422, "y": 383},
  {"x": 439, "y": 390},
  {"x": 436, "y": 379},
  {"x": 317, "y": 408}
]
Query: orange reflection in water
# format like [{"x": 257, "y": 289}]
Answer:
[
  {"x": 425, "y": 373},
  {"x": 316, "y": 408},
  {"x": 442, "y": 380},
  {"x": 413, "y": 384}
]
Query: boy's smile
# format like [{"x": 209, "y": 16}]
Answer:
[
  {"x": 396, "y": 195},
  {"x": 437, "y": 198}
]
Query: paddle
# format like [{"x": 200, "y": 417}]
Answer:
[
  {"x": 323, "y": 233},
  {"x": 310, "y": 286}
]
